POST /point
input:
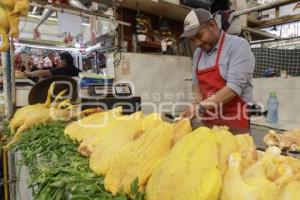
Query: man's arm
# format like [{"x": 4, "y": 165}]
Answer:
[
  {"x": 39, "y": 73},
  {"x": 223, "y": 96},
  {"x": 197, "y": 93}
]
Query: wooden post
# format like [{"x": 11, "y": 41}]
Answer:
[{"x": 276, "y": 12}]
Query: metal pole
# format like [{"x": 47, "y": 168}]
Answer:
[
  {"x": 267, "y": 6},
  {"x": 7, "y": 83},
  {"x": 12, "y": 80},
  {"x": 12, "y": 174},
  {"x": 8, "y": 79},
  {"x": 5, "y": 175}
]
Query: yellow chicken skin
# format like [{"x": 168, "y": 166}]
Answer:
[
  {"x": 234, "y": 186},
  {"x": 92, "y": 125},
  {"x": 87, "y": 146},
  {"x": 226, "y": 144},
  {"x": 22, "y": 113},
  {"x": 180, "y": 129},
  {"x": 126, "y": 130},
  {"x": 191, "y": 170},
  {"x": 291, "y": 191},
  {"x": 247, "y": 149},
  {"x": 10, "y": 13},
  {"x": 138, "y": 159},
  {"x": 44, "y": 116},
  {"x": 254, "y": 183}
]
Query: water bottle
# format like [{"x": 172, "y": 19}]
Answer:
[{"x": 272, "y": 105}]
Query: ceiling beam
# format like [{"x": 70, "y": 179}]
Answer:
[
  {"x": 274, "y": 40},
  {"x": 261, "y": 33},
  {"x": 278, "y": 21},
  {"x": 252, "y": 22},
  {"x": 267, "y": 6}
]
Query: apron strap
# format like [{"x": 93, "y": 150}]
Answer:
[
  {"x": 218, "y": 55},
  {"x": 220, "y": 48}
]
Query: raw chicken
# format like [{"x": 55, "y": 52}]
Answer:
[
  {"x": 138, "y": 159},
  {"x": 291, "y": 191},
  {"x": 10, "y": 13},
  {"x": 255, "y": 184},
  {"x": 247, "y": 149},
  {"x": 93, "y": 125},
  {"x": 190, "y": 172},
  {"x": 126, "y": 130},
  {"x": 288, "y": 140}
]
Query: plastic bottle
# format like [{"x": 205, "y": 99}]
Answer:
[{"x": 272, "y": 105}]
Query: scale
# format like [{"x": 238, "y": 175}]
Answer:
[
  {"x": 117, "y": 90},
  {"x": 111, "y": 96}
]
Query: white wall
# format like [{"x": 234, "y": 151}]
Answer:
[
  {"x": 288, "y": 92},
  {"x": 158, "y": 79}
]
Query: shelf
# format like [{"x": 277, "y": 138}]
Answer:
[
  {"x": 150, "y": 45},
  {"x": 158, "y": 7}
]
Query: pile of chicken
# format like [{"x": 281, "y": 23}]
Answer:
[
  {"x": 288, "y": 140},
  {"x": 172, "y": 162},
  {"x": 28, "y": 116},
  {"x": 123, "y": 148}
]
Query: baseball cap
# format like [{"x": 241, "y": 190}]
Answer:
[{"x": 194, "y": 20}]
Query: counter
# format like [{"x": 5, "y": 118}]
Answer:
[
  {"x": 288, "y": 94},
  {"x": 280, "y": 125},
  {"x": 23, "y": 87}
]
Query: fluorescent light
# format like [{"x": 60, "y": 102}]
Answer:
[
  {"x": 53, "y": 19},
  {"x": 48, "y": 47},
  {"x": 39, "y": 17},
  {"x": 92, "y": 48}
]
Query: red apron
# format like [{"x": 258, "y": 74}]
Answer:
[{"x": 233, "y": 114}]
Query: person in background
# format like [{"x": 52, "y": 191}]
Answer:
[
  {"x": 223, "y": 68},
  {"x": 31, "y": 65},
  {"x": 53, "y": 59},
  {"x": 66, "y": 68}
]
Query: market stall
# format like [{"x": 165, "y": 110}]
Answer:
[
  {"x": 98, "y": 100},
  {"x": 142, "y": 157}
]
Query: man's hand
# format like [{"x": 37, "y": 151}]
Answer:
[
  {"x": 39, "y": 73},
  {"x": 189, "y": 112}
]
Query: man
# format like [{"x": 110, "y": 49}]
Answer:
[
  {"x": 223, "y": 66},
  {"x": 67, "y": 68}
]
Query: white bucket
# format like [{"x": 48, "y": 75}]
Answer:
[{"x": 141, "y": 38}]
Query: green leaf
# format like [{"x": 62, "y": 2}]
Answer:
[
  {"x": 57, "y": 170},
  {"x": 134, "y": 186}
]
